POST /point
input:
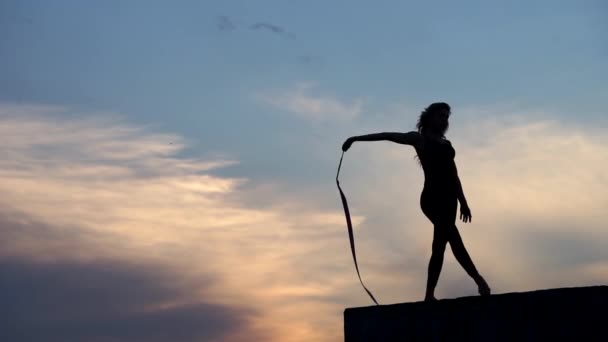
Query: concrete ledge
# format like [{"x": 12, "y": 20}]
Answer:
[{"x": 565, "y": 314}]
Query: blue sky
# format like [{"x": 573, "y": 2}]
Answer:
[
  {"x": 237, "y": 110},
  {"x": 171, "y": 65}
]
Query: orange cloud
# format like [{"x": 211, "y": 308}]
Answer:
[{"x": 124, "y": 192}]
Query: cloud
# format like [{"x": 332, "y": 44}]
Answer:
[
  {"x": 272, "y": 28},
  {"x": 107, "y": 301},
  {"x": 107, "y": 190},
  {"x": 66, "y": 283},
  {"x": 225, "y": 24},
  {"x": 316, "y": 108},
  {"x": 278, "y": 253},
  {"x": 310, "y": 60}
]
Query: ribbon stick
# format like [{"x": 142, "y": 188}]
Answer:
[{"x": 350, "y": 230}]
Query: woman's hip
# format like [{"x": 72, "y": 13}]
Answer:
[{"x": 438, "y": 206}]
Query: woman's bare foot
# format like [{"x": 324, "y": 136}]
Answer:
[
  {"x": 430, "y": 299},
  {"x": 483, "y": 287}
]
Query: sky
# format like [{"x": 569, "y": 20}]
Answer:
[{"x": 168, "y": 168}]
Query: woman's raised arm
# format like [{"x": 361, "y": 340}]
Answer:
[{"x": 410, "y": 138}]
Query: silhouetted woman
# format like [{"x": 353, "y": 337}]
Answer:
[{"x": 442, "y": 189}]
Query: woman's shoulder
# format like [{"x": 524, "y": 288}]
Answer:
[
  {"x": 415, "y": 134},
  {"x": 431, "y": 138},
  {"x": 415, "y": 138},
  {"x": 441, "y": 140}
]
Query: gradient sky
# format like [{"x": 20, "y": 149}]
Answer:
[{"x": 168, "y": 168}]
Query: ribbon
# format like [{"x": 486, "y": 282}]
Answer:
[{"x": 350, "y": 230}]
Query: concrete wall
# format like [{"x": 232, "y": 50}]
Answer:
[{"x": 566, "y": 314}]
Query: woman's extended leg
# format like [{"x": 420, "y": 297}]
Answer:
[
  {"x": 462, "y": 256},
  {"x": 460, "y": 253}
]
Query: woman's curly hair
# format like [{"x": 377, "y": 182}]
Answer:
[
  {"x": 427, "y": 115},
  {"x": 425, "y": 119}
]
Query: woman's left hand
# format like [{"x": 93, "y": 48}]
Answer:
[
  {"x": 347, "y": 143},
  {"x": 465, "y": 213}
]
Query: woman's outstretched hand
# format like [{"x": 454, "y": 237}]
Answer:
[
  {"x": 465, "y": 213},
  {"x": 347, "y": 144}
]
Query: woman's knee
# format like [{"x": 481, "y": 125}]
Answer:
[
  {"x": 440, "y": 240},
  {"x": 439, "y": 247}
]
